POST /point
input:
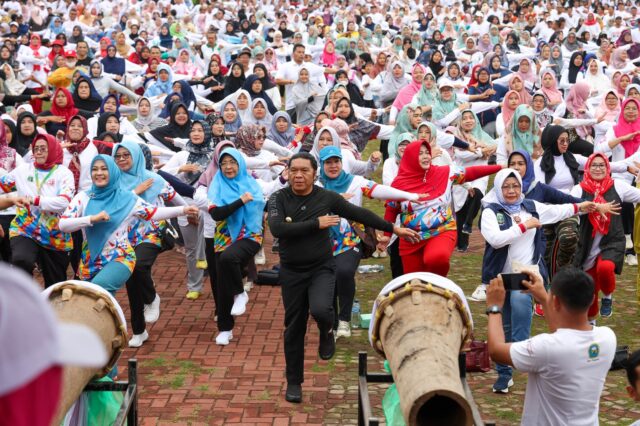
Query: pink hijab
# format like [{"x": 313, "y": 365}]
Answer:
[
  {"x": 342, "y": 129},
  {"x": 524, "y": 95},
  {"x": 529, "y": 76},
  {"x": 507, "y": 112},
  {"x": 406, "y": 94},
  {"x": 576, "y": 100},
  {"x": 609, "y": 114},
  {"x": 329, "y": 59},
  {"x": 624, "y": 128},
  {"x": 553, "y": 94}
]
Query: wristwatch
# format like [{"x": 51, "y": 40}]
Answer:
[{"x": 493, "y": 309}]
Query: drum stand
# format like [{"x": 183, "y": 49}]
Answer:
[
  {"x": 128, "y": 413},
  {"x": 364, "y": 404}
]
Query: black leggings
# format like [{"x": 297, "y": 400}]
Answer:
[
  {"x": 210, "y": 254},
  {"x": 466, "y": 215},
  {"x": 140, "y": 289},
  {"x": 346, "y": 267},
  {"x": 5, "y": 245},
  {"x": 76, "y": 254},
  {"x": 395, "y": 261},
  {"x": 25, "y": 252},
  {"x": 229, "y": 265}
]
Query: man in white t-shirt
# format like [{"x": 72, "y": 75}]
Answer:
[{"x": 567, "y": 367}]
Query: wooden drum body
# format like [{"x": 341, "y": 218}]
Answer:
[
  {"x": 420, "y": 323},
  {"x": 90, "y": 305}
]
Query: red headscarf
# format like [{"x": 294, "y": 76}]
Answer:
[
  {"x": 623, "y": 127},
  {"x": 68, "y": 111},
  {"x": 413, "y": 178},
  {"x": 328, "y": 59},
  {"x": 55, "y": 155},
  {"x": 103, "y": 52},
  {"x": 223, "y": 69},
  {"x": 473, "y": 81},
  {"x": 53, "y": 54},
  {"x": 76, "y": 147},
  {"x": 598, "y": 188}
]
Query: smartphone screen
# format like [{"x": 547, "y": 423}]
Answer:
[{"x": 514, "y": 281}]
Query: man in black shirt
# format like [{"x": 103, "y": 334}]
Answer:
[{"x": 300, "y": 217}]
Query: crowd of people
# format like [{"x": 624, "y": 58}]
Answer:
[{"x": 130, "y": 125}]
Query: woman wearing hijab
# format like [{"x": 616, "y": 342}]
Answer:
[
  {"x": 431, "y": 217},
  {"x": 145, "y": 236},
  {"x": 549, "y": 86},
  {"x": 102, "y": 214},
  {"x": 282, "y": 131},
  {"x": 601, "y": 247},
  {"x": 576, "y": 108},
  {"x": 236, "y": 203},
  {"x": 185, "y": 67},
  {"x": 232, "y": 121},
  {"x": 260, "y": 113},
  {"x": 109, "y": 123},
  {"x": 112, "y": 64},
  {"x": 105, "y": 84},
  {"x": 234, "y": 80},
  {"x": 175, "y": 132},
  {"x": 361, "y": 131},
  {"x": 495, "y": 92},
  {"x": 213, "y": 81},
  {"x": 146, "y": 117},
  {"x": 306, "y": 98},
  {"x": 344, "y": 237},
  {"x": 569, "y": 75},
  {"x": 466, "y": 200},
  {"x": 571, "y": 44},
  {"x": 336, "y": 133},
  {"x": 62, "y": 109},
  {"x": 607, "y": 112},
  {"x": 342, "y": 79},
  {"x": 391, "y": 82},
  {"x": 253, "y": 85},
  {"x": 406, "y": 94},
  {"x": 510, "y": 226},
  {"x": 26, "y": 131},
  {"x": 163, "y": 84},
  {"x": 263, "y": 164},
  {"x": 44, "y": 188},
  {"x": 595, "y": 77},
  {"x": 188, "y": 165},
  {"x": 522, "y": 133},
  {"x": 85, "y": 96},
  {"x": 518, "y": 84},
  {"x": 78, "y": 152}
]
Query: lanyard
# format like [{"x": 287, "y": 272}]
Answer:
[{"x": 38, "y": 183}]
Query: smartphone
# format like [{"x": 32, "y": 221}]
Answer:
[{"x": 514, "y": 281}]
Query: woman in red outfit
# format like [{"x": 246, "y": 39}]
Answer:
[{"x": 432, "y": 217}]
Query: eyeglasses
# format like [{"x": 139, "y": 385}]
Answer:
[
  {"x": 122, "y": 156},
  {"x": 563, "y": 141},
  {"x": 40, "y": 149},
  {"x": 598, "y": 166}
]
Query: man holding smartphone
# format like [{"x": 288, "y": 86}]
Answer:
[{"x": 567, "y": 367}]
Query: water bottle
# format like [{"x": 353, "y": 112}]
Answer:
[
  {"x": 355, "y": 315},
  {"x": 369, "y": 269}
]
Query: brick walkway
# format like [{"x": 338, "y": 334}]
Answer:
[{"x": 187, "y": 379}]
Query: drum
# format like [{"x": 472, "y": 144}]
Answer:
[
  {"x": 420, "y": 323},
  {"x": 90, "y": 305}
]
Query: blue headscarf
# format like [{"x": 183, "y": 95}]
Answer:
[
  {"x": 501, "y": 176},
  {"x": 284, "y": 138},
  {"x": 169, "y": 100},
  {"x": 224, "y": 191},
  {"x": 114, "y": 200},
  {"x": 529, "y": 176},
  {"x": 263, "y": 95},
  {"x": 160, "y": 87},
  {"x": 138, "y": 173},
  {"x": 166, "y": 41},
  {"x": 104, "y": 101},
  {"x": 52, "y": 26},
  {"x": 339, "y": 184},
  {"x": 235, "y": 125},
  {"x": 188, "y": 97}
]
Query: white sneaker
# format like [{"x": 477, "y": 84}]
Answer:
[
  {"x": 224, "y": 337},
  {"x": 138, "y": 339},
  {"x": 248, "y": 285},
  {"x": 631, "y": 260},
  {"x": 479, "y": 294},
  {"x": 375, "y": 254},
  {"x": 239, "y": 304},
  {"x": 628, "y": 244},
  {"x": 344, "y": 329},
  {"x": 382, "y": 254},
  {"x": 152, "y": 311},
  {"x": 260, "y": 258}
]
